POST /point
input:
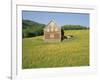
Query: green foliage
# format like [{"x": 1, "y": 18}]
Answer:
[
  {"x": 31, "y": 28},
  {"x": 70, "y": 52},
  {"x": 74, "y": 27}
]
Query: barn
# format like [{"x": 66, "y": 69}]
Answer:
[{"x": 52, "y": 32}]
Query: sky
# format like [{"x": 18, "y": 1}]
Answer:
[{"x": 60, "y": 18}]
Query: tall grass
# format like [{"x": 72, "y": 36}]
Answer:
[{"x": 70, "y": 52}]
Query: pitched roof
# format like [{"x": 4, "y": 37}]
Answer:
[{"x": 52, "y": 23}]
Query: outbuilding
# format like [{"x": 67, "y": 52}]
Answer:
[{"x": 52, "y": 32}]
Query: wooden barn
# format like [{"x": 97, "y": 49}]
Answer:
[{"x": 52, "y": 32}]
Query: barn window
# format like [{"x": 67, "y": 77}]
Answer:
[
  {"x": 51, "y": 35},
  {"x": 52, "y": 28},
  {"x": 48, "y": 30},
  {"x": 56, "y": 29}
]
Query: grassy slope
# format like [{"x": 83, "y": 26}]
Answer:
[{"x": 72, "y": 52}]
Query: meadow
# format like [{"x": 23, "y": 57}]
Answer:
[{"x": 69, "y": 53}]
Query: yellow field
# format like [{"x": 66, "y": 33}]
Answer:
[{"x": 70, "y": 52}]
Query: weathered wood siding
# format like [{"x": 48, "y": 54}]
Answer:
[{"x": 52, "y": 32}]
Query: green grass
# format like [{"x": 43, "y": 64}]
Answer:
[{"x": 70, "y": 52}]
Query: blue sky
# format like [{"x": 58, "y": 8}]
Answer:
[{"x": 58, "y": 17}]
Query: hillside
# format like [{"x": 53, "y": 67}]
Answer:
[{"x": 31, "y": 28}]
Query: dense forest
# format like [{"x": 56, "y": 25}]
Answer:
[{"x": 32, "y": 28}]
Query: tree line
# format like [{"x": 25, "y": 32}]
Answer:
[{"x": 74, "y": 27}]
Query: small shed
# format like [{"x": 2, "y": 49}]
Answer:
[{"x": 52, "y": 32}]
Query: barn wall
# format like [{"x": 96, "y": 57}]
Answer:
[{"x": 56, "y": 35}]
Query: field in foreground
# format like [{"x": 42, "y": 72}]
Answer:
[{"x": 71, "y": 52}]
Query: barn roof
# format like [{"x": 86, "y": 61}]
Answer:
[{"x": 53, "y": 24}]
